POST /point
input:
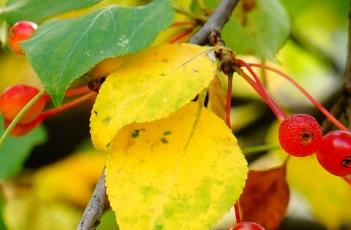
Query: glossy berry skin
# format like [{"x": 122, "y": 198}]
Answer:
[
  {"x": 247, "y": 226},
  {"x": 14, "y": 98},
  {"x": 300, "y": 135},
  {"x": 19, "y": 32},
  {"x": 334, "y": 153},
  {"x": 22, "y": 129}
]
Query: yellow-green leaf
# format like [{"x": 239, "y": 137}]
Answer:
[
  {"x": 150, "y": 86},
  {"x": 181, "y": 172}
]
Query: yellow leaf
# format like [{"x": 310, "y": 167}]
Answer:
[
  {"x": 149, "y": 86},
  {"x": 217, "y": 97},
  {"x": 181, "y": 172},
  {"x": 71, "y": 179},
  {"x": 107, "y": 66},
  {"x": 329, "y": 196},
  {"x": 23, "y": 210},
  {"x": 28, "y": 213},
  {"x": 15, "y": 69}
]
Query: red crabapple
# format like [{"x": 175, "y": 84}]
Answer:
[
  {"x": 334, "y": 153},
  {"x": 14, "y": 98},
  {"x": 300, "y": 135},
  {"x": 19, "y": 32}
]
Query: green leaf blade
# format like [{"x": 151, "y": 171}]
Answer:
[
  {"x": 38, "y": 10},
  {"x": 15, "y": 150},
  {"x": 63, "y": 50},
  {"x": 260, "y": 30}
]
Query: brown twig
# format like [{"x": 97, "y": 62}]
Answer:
[
  {"x": 340, "y": 108},
  {"x": 216, "y": 21},
  {"x": 93, "y": 211}
]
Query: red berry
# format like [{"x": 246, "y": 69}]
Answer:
[
  {"x": 19, "y": 32},
  {"x": 22, "y": 129},
  {"x": 300, "y": 135},
  {"x": 15, "y": 98},
  {"x": 334, "y": 153},
  {"x": 247, "y": 226}
]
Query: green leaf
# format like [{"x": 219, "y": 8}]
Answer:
[
  {"x": 2, "y": 223},
  {"x": 63, "y": 50},
  {"x": 108, "y": 221},
  {"x": 38, "y": 10},
  {"x": 15, "y": 150},
  {"x": 257, "y": 28}
]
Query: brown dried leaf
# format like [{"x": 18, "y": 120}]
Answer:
[
  {"x": 265, "y": 197},
  {"x": 217, "y": 97}
]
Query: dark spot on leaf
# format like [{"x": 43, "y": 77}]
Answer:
[
  {"x": 162, "y": 74},
  {"x": 167, "y": 132},
  {"x": 106, "y": 121},
  {"x": 96, "y": 113},
  {"x": 164, "y": 140},
  {"x": 135, "y": 133},
  {"x": 165, "y": 60},
  {"x": 108, "y": 145},
  {"x": 248, "y": 5}
]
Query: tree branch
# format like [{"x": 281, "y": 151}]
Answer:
[
  {"x": 94, "y": 209},
  {"x": 216, "y": 21}
]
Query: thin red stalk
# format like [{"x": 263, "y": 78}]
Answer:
[
  {"x": 72, "y": 92},
  {"x": 229, "y": 100},
  {"x": 77, "y": 91},
  {"x": 67, "y": 106},
  {"x": 180, "y": 35},
  {"x": 227, "y": 121},
  {"x": 276, "y": 110},
  {"x": 237, "y": 212},
  {"x": 314, "y": 101},
  {"x": 280, "y": 114},
  {"x": 184, "y": 23}
]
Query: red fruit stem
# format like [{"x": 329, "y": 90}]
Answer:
[
  {"x": 314, "y": 101},
  {"x": 67, "y": 106},
  {"x": 181, "y": 35},
  {"x": 237, "y": 212},
  {"x": 264, "y": 95},
  {"x": 279, "y": 113},
  {"x": 228, "y": 106},
  {"x": 183, "y": 23},
  {"x": 77, "y": 91},
  {"x": 227, "y": 121},
  {"x": 72, "y": 92}
]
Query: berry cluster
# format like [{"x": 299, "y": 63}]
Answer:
[
  {"x": 16, "y": 97},
  {"x": 300, "y": 134}
]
